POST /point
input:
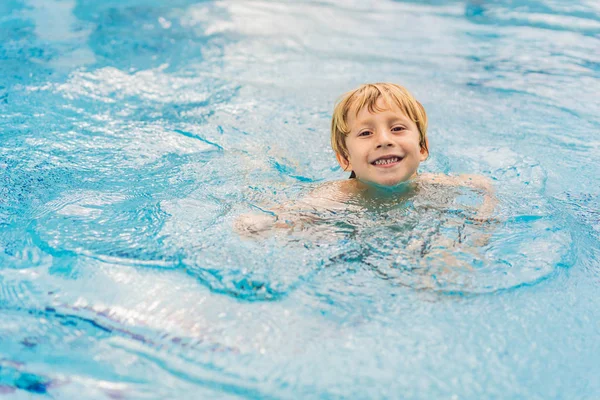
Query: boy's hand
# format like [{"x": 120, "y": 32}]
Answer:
[
  {"x": 484, "y": 213},
  {"x": 250, "y": 224},
  {"x": 255, "y": 224}
]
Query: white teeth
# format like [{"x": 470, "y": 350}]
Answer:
[{"x": 384, "y": 161}]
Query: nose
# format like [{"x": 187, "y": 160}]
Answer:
[{"x": 384, "y": 139}]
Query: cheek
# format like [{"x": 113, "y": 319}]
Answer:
[
  {"x": 354, "y": 151},
  {"x": 414, "y": 144}
]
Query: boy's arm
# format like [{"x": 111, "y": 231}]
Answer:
[
  {"x": 251, "y": 224},
  {"x": 478, "y": 182},
  {"x": 276, "y": 218},
  {"x": 295, "y": 214}
]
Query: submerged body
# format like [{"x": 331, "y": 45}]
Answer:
[
  {"x": 418, "y": 234},
  {"x": 353, "y": 195}
]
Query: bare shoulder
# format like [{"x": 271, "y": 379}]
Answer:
[
  {"x": 441, "y": 179},
  {"x": 337, "y": 190},
  {"x": 333, "y": 194},
  {"x": 479, "y": 183}
]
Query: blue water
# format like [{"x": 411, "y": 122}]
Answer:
[{"x": 134, "y": 133}]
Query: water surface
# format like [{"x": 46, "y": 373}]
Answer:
[{"x": 134, "y": 133}]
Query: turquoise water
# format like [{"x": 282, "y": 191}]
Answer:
[{"x": 134, "y": 133}]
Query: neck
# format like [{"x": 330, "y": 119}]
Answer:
[{"x": 374, "y": 190}]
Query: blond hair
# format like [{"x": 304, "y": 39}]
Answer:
[{"x": 367, "y": 95}]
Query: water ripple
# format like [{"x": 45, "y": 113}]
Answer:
[{"x": 135, "y": 133}]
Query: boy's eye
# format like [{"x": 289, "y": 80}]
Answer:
[
  {"x": 364, "y": 133},
  {"x": 398, "y": 129}
]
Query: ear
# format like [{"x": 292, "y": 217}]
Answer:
[
  {"x": 424, "y": 152},
  {"x": 343, "y": 161}
]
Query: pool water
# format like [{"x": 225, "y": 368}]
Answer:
[{"x": 133, "y": 135}]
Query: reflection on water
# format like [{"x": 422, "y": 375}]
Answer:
[
  {"x": 135, "y": 133},
  {"x": 55, "y": 22}
]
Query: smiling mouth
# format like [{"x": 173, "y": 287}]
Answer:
[{"x": 388, "y": 160}]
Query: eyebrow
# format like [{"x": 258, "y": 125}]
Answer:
[{"x": 395, "y": 118}]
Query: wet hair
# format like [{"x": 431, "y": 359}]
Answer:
[{"x": 367, "y": 95}]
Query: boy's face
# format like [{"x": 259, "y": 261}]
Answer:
[{"x": 383, "y": 148}]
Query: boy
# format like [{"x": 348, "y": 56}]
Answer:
[{"x": 379, "y": 133}]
